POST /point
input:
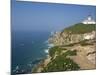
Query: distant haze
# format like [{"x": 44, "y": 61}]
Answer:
[{"x": 47, "y": 17}]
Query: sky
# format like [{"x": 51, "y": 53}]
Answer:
[{"x": 34, "y": 16}]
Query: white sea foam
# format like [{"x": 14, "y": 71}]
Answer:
[
  {"x": 46, "y": 50},
  {"x": 17, "y": 67},
  {"x": 50, "y": 45}
]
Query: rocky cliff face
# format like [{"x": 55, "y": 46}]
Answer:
[
  {"x": 83, "y": 43},
  {"x": 65, "y": 38},
  {"x": 74, "y": 48}
]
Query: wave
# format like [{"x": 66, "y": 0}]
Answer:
[
  {"x": 49, "y": 46},
  {"x": 46, "y": 50}
]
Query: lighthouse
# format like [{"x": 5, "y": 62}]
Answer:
[{"x": 89, "y": 20}]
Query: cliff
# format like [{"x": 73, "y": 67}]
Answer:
[
  {"x": 74, "y": 49},
  {"x": 73, "y": 34}
]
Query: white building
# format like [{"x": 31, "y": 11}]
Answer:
[{"x": 89, "y": 20}]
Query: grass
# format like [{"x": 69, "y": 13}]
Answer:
[
  {"x": 69, "y": 45},
  {"x": 70, "y": 53},
  {"x": 85, "y": 43},
  {"x": 61, "y": 63},
  {"x": 80, "y": 28},
  {"x": 82, "y": 43},
  {"x": 55, "y": 49}
]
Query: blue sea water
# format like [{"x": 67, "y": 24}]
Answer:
[{"x": 28, "y": 49}]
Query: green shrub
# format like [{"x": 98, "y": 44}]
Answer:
[
  {"x": 85, "y": 43},
  {"x": 61, "y": 63},
  {"x": 70, "y": 53},
  {"x": 80, "y": 28},
  {"x": 55, "y": 49}
]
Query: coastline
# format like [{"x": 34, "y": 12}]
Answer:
[
  {"x": 49, "y": 46},
  {"x": 34, "y": 51},
  {"x": 70, "y": 50},
  {"x": 39, "y": 67},
  {"x": 81, "y": 54}
]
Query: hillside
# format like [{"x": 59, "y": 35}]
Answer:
[
  {"x": 74, "y": 49},
  {"x": 73, "y": 34},
  {"x": 80, "y": 28}
]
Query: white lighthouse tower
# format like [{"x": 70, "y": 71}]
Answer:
[{"x": 89, "y": 20}]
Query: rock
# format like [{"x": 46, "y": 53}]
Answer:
[{"x": 68, "y": 38}]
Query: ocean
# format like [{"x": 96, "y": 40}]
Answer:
[{"x": 28, "y": 48}]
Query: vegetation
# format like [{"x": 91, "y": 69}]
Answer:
[
  {"x": 82, "y": 43},
  {"x": 55, "y": 49},
  {"x": 85, "y": 43},
  {"x": 60, "y": 56},
  {"x": 69, "y": 45},
  {"x": 60, "y": 59},
  {"x": 70, "y": 53},
  {"x": 80, "y": 28},
  {"x": 61, "y": 63}
]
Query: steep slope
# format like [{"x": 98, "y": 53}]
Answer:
[
  {"x": 80, "y": 28},
  {"x": 73, "y": 34},
  {"x": 74, "y": 49}
]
